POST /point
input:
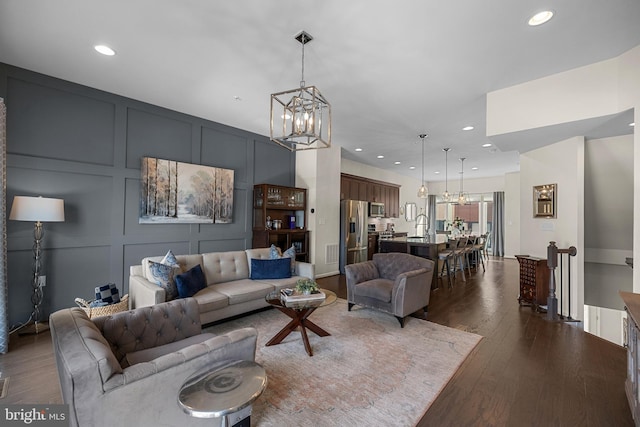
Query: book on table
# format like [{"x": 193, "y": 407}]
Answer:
[{"x": 296, "y": 298}]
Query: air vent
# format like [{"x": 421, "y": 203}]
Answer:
[{"x": 331, "y": 254}]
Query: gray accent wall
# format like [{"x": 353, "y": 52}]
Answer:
[{"x": 85, "y": 146}]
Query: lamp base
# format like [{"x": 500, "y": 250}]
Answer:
[{"x": 34, "y": 328}]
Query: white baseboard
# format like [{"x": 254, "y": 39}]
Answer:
[{"x": 320, "y": 276}]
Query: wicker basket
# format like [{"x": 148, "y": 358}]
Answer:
[{"x": 105, "y": 310}]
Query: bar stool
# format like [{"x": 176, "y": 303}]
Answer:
[
  {"x": 485, "y": 244},
  {"x": 478, "y": 248},
  {"x": 458, "y": 257},
  {"x": 444, "y": 257},
  {"x": 467, "y": 248}
]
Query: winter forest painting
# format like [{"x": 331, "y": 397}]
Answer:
[{"x": 176, "y": 192}]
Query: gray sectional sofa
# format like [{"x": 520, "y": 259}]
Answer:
[
  {"x": 141, "y": 356},
  {"x": 230, "y": 290}
]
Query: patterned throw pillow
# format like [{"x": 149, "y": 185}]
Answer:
[
  {"x": 162, "y": 275},
  {"x": 170, "y": 259},
  {"x": 107, "y": 293},
  {"x": 274, "y": 253},
  {"x": 290, "y": 253}
]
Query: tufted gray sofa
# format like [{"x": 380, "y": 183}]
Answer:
[
  {"x": 230, "y": 290},
  {"x": 396, "y": 283},
  {"x": 127, "y": 368}
]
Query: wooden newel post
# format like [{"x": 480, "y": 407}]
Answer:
[{"x": 552, "y": 263}]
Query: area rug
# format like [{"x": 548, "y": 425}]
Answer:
[{"x": 368, "y": 372}]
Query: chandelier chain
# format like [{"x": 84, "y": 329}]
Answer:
[{"x": 302, "y": 82}]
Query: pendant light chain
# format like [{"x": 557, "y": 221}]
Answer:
[
  {"x": 446, "y": 170},
  {"x": 462, "y": 197},
  {"x": 446, "y": 196},
  {"x": 423, "y": 192},
  {"x": 462, "y": 176},
  {"x": 423, "y": 160}
]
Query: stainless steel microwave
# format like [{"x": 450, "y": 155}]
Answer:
[{"x": 376, "y": 209}]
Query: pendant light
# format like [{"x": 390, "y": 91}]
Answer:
[
  {"x": 463, "y": 197},
  {"x": 301, "y": 118},
  {"x": 423, "y": 191},
  {"x": 446, "y": 196}
]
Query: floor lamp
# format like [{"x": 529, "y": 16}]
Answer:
[{"x": 38, "y": 210}]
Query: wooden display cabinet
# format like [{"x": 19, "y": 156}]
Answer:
[
  {"x": 534, "y": 281},
  {"x": 288, "y": 205}
]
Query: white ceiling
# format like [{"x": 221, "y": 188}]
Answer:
[{"x": 391, "y": 70}]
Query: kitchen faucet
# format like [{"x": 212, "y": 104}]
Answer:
[{"x": 424, "y": 224}]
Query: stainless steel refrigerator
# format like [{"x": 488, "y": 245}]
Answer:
[{"x": 353, "y": 232}]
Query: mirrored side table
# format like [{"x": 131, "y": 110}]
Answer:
[{"x": 224, "y": 392}]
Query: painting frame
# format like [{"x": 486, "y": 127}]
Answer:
[{"x": 173, "y": 192}]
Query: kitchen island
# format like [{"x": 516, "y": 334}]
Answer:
[{"x": 425, "y": 247}]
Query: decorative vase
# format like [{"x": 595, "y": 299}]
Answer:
[{"x": 306, "y": 292}]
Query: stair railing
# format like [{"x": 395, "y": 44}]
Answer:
[{"x": 552, "y": 262}]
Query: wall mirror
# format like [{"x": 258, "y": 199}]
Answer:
[
  {"x": 544, "y": 201},
  {"x": 410, "y": 211}
]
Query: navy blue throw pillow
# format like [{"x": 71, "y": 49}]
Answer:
[
  {"x": 270, "y": 268},
  {"x": 191, "y": 282}
]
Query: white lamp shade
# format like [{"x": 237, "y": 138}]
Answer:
[{"x": 36, "y": 209}]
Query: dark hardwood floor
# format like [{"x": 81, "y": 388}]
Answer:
[{"x": 526, "y": 371}]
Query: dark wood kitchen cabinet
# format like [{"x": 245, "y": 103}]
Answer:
[{"x": 359, "y": 188}]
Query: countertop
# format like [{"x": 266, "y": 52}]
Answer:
[
  {"x": 383, "y": 235},
  {"x": 419, "y": 241},
  {"x": 395, "y": 233}
]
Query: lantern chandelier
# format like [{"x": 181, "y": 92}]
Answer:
[
  {"x": 446, "y": 196},
  {"x": 423, "y": 191},
  {"x": 301, "y": 118},
  {"x": 463, "y": 198}
]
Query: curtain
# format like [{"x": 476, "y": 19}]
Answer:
[
  {"x": 497, "y": 234},
  {"x": 4, "y": 285},
  {"x": 431, "y": 213}
]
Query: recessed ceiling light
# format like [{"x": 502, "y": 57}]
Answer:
[
  {"x": 397, "y": 163},
  {"x": 474, "y": 168},
  {"x": 412, "y": 167},
  {"x": 358, "y": 149},
  {"x": 437, "y": 172},
  {"x": 632, "y": 124},
  {"x": 540, "y": 18},
  {"x": 381, "y": 157},
  {"x": 486, "y": 145},
  {"x": 105, "y": 50},
  {"x": 468, "y": 128}
]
